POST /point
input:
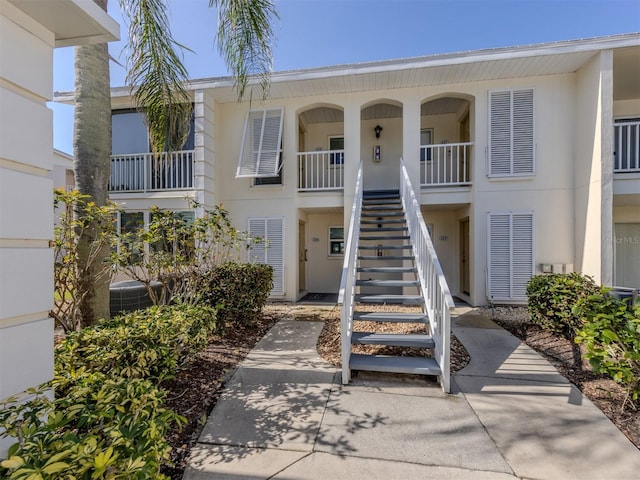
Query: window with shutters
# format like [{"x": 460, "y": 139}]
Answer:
[
  {"x": 511, "y": 133},
  {"x": 261, "y": 144},
  {"x": 267, "y": 246},
  {"x": 510, "y": 259}
]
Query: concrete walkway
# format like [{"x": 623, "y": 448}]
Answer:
[{"x": 284, "y": 415}]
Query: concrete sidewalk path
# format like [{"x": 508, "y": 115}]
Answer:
[{"x": 284, "y": 415}]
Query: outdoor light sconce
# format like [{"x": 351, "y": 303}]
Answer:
[{"x": 377, "y": 129}]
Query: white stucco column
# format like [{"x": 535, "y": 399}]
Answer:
[
  {"x": 204, "y": 139},
  {"x": 29, "y": 31},
  {"x": 352, "y": 155},
  {"x": 606, "y": 149}
]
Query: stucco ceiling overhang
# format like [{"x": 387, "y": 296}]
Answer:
[{"x": 73, "y": 22}]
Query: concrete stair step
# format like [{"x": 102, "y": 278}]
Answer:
[
  {"x": 390, "y": 299},
  {"x": 391, "y": 221},
  {"x": 388, "y": 283},
  {"x": 398, "y": 213},
  {"x": 390, "y": 237},
  {"x": 418, "y": 340},
  {"x": 392, "y": 317},
  {"x": 388, "y": 269},
  {"x": 384, "y": 229},
  {"x": 386, "y": 257},
  {"x": 384, "y": 363}
]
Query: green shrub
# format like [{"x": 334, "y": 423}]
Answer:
[
  {"x": 611, "y": 334},
  {"x": 142, "y": 344},
  {"x": 237, "y": 290},
  {"x": 552, "y": 298},
  {"x": 103, "y": 427}
]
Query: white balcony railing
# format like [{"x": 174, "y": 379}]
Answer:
[
  {"x": 321, "y": 170},
  {"x": 143, "y": 172},
  {"x": 626, "y": 145},
  {"x": 445, "y": 164}
]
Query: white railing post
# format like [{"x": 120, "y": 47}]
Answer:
[
  {"x": 627, "y": 147},
  {"x": 435, "y": 291},
  {"x": 346, "y": 296},
  {"x": 144, "y": 172}
]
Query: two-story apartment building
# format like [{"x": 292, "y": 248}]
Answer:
[{"x": 526, "y": 160}]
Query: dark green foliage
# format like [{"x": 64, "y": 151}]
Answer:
[
  {"x": 611, "y": 335},
  {"x": 552, "y": 298},
  {"x": 142, "y": 344},
  {"x": 103, "y": 427},
  {"x": 238, "y": 290}
]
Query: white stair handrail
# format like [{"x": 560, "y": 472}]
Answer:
[
  {"x": 435, "y": 291},
  {"x": 346, "y": 296}
]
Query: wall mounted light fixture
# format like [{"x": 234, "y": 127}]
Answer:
[{"x": 377, "y": 129}]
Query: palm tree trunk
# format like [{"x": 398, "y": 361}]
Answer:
[{"x": 92, "y": 149}]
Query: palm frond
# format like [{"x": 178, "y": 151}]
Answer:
[
  {"x": 157, "y": 74},
  {"x": 245, "y": 39}
]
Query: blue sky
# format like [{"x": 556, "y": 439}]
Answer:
[{"x": 315, "y": 33}]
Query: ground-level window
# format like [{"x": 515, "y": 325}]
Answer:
[
  {"x": 510, "y": 255},
  {"x": 129, "y": 223},
  {"x": 267, "y": 246},
  {"x": 336, "y": 240}
]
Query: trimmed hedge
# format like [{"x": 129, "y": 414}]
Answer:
[
  {"x": 142, "y": 344},
  {"x": 237, "y": 290},
  {"x": 552, "y": 298}
]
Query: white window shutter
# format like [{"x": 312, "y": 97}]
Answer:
[
  {"x": 499, "y": 256},
  {"x": 523, "y": 131},
  {"x": 500, "y": 133},
  {"x": 510, "y": 260},
  {"x": 522, "y": 254},
  {"x": 270, "y": 250},
  {"x": 261, "y": 141},
  {"x": 511, "y": 132}
]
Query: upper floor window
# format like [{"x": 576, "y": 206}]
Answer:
[
  {"x": 626, "y": 145},
  {"x": 511, "y": 133},
  {"x": 336, "y": 143},
  {"x": 261, "y": 148},
  {"x": 129, "y": 133},
  {"x": 426, "y": 139}
]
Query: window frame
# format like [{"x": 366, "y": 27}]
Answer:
[
  {"x": 427, "y": 156},
  {"x": 335, "y": 159},
  {"x": 331, "y": 241}
]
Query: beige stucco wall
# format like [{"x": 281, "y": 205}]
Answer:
[{"x": 323, "y": 270}]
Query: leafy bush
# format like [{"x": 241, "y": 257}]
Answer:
[
  {"x": 238, "y": 290},
  {"x": 611, "y": 334},
  {"x": 103, "y": 427},
  {"x": 552, "y": 297},
  {"x": 142, "y": 344}
]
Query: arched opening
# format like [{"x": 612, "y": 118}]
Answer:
[
  {"x": 446, "y": 141},
  {"x": 381, "y": 143},
  {"x": 321, "y": 148}
]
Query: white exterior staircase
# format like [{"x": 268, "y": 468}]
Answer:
[{"x": 388, "y": 261}]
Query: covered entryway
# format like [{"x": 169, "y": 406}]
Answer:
[{"x": 381, "y": 144}]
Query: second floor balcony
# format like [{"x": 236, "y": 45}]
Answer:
[
  {"x": 148, "y": 172},
  {"x": 445, "y": 165}
]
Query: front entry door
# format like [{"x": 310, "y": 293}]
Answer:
[{"x": 464, "y": 257}]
